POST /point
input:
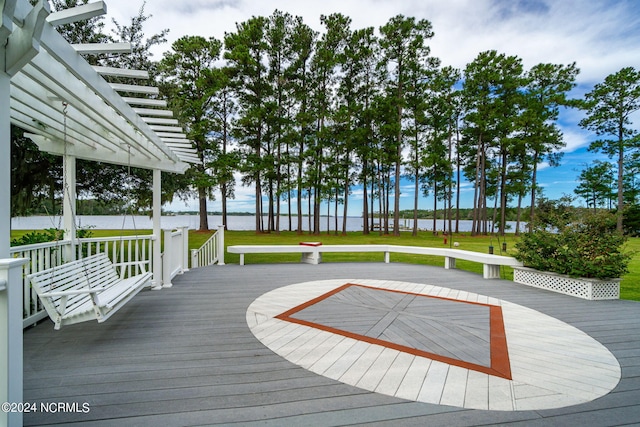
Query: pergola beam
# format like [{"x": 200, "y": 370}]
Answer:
[
  {"x": 73, "y": 92},
  {"x": 152, "y": 112},
  {"x": 160, "y": 121},
  {"x": 145, "y": 102},
  {"x": 100, "y": 48},
  {"x": 147, "y": 90},
  {"x": 180, "y": 145},
  {"x": 122, "y": 72},
  {"x": 173, "y": 141},
  {"x": 171, "y": 135},
  {"x": 120, "y": 158},
  {"x": 63, "y": 53},
  {"x": 78, "y": 13},
  {"x": 159, "y": 128}
]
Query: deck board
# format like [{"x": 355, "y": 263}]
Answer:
[{"x": 185, "y": 356}]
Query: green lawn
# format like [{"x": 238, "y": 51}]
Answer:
[{"x": 629, "y": 289}]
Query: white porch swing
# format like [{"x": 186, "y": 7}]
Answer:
[{"x": 89, "y": 288}]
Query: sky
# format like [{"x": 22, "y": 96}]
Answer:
[{"x": 600, "y": 36}]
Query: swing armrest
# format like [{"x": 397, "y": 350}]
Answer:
[
  {"x": 140, "y": 264},
  {"x": 72, "y": 292},
  {"x": 138, "y": 267}
]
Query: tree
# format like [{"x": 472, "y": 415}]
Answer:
[
  {"x": 225, "y": 163},
  {"x": 245, "y": 52},
  {"x": 35, "y": 176},
  {"x": 353, "y": 100},
  {"x": 328, "y": 54},
  {"x": 441, "y": 121},
  {"x": 280, "y": 57},
  {"x": 303, "y": 40},
  {"x": 545, "y": 93},
  {"x": 188, "y": 76},
  {"x": 403, "y": 43},
  {"x": 509, "y": 98},
  {"x": 609, "y": 107},
  {"x": 596, "y": 185},
  {"x": 480, "y": 129}
]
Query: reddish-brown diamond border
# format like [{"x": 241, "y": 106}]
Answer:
[{"x": 500, "y": 365}]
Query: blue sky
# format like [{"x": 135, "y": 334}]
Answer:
[{"x": 601, "y": 36}]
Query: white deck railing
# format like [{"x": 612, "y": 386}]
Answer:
[
  {"x": 211, "y": 252},
  {"x": 126, "y": 251},
  {"x": 175, "y": 257},
  {"x": 129, "y": 252}
]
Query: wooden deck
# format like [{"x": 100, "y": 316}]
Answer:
[{"x": 185, "y": 356}]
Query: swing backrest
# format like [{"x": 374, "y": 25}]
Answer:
[{"x": 95, "y": 271}]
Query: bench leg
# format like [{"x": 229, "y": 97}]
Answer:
[
  {"x": 386, "y": 257},
  {"x": 311, "y": 257},
  {"x": 491, "y": 271},
  {"x": 241, "y": 259},
  {"x": 449, "y": 263}
]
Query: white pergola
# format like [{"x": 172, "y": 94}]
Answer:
[{"x": 67, "y": 108}]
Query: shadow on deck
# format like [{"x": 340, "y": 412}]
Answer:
[{"x": 185, "y": 356}]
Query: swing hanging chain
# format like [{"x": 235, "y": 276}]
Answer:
[
  {"x": 128, "y": 211},
  {"x": 65, "y": 106},
  {"x": 67, "y": 192}
]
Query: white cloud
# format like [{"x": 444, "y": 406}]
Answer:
[{"x": 575, "y": 138}]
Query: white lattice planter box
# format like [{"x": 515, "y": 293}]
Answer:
[{"x": 591, "y": 289}]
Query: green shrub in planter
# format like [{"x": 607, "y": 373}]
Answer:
[{"x": 589, "y": 246}]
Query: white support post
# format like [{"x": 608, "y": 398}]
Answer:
[
  {"x": 5, "y": 163},
  {"x": 11, "y": 364},
  {"x": 220, "y": 245},
  {"x": 185, "y": 248},
  {"x": 157, "y": 231},
  {"x": 449, "y": 263},
  {"x": 194, "y": 258},
  {"x": 69, "y": 206},
  {"x": 166, "y": 260},
  {"x": 11, "y": 345}
]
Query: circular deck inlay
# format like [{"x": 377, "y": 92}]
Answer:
[{"x": 433, "y": 344}]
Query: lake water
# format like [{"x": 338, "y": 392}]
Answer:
[{"x": 236, "y": 222}]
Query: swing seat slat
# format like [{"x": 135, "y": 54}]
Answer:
[{"x": 86, "y": 289}]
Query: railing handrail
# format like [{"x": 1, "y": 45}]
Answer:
[
  {"x": 54, "y": 243},
  {"x": 33, "y": 246},
  {"x": 116, "y": 238},
  {"x": 209, "y": 240}
]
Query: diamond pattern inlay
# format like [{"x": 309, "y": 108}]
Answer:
[{"x": 460, "y": 333}]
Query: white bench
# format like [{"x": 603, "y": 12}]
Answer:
[
  {"x": 491, "y": 263},
  {"x": 86, "y": 289}
]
